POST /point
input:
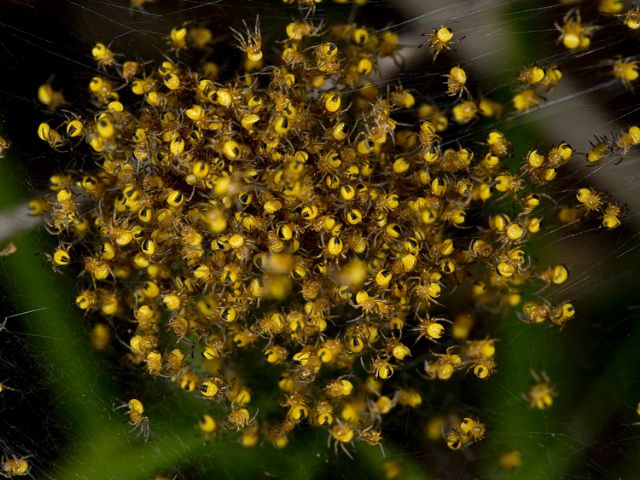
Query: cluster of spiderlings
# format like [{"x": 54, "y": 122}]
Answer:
[
  {"x": 613, "y": 15},
  {"x": 576, "y": 35},
  {"x": 290, "y": 209}
]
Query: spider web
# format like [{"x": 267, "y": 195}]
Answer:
[{"x": 61, "y": 411}]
